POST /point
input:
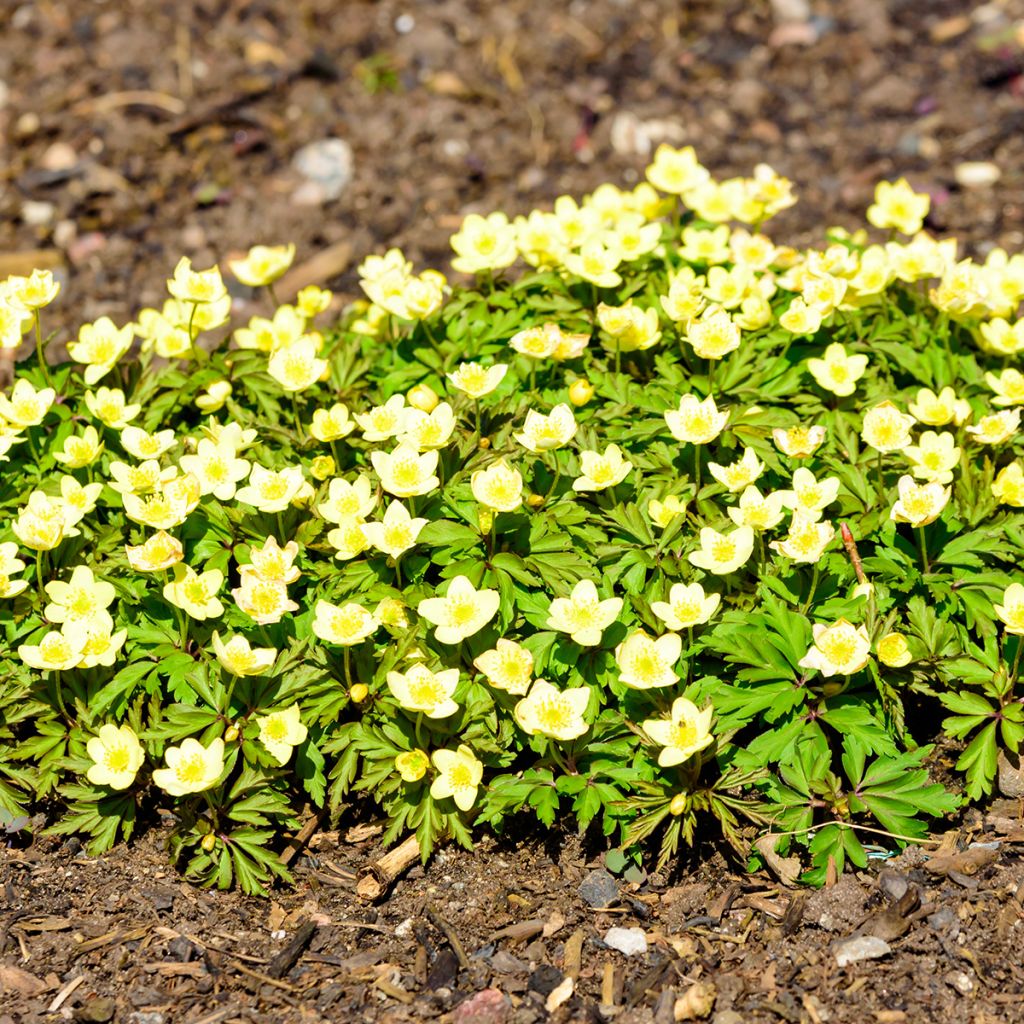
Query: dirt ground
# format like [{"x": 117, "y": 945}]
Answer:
[{"x": 136, "y": 131}]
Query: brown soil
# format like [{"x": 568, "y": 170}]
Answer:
[{"x": 138, "y": 132}]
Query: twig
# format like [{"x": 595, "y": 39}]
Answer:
[
  {"x": 449, "y": 933},
  {"x": 376, "y": 877},
  {"x": 299, "y": 840},
  {"x": 284, "y": 961}
]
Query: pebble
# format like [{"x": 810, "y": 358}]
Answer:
[
  {"x": 37, "y": 214},
  {"x": 58, "y": 157},
  {"x": 942, "y": 919},
  {"x": 404, "y": 930},
  {"x": 599, "y": 889},
  {"x": 489, "y": 1006},
  {"x": 861, "y": 947},
  {"x": 976, "y": 174},
  {"x": 98, "y": 1010},
  {"x": 145, "y": 1017},
  {"x": 327, "y": 168},
  {"x": 961, "y": 981},
  {"x": 5, "y": 94},
  {"x": 893, "y": 884},
  {"x": 628, "y": 941}
]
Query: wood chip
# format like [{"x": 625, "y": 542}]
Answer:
[
  {"x": 64, "y": 994},
  {"x": 321, "y": 268}
]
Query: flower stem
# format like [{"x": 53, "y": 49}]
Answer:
[
  {"x": 814, "y": 586},
  {"x": 925, "y": 567},
  {"x": 476, "y": 413},
  {"x": 41, "y": 348},
  {"x": 881, "y": 481},
  {"x": 1016, "y": 661},
  {"x": 298, "y": 418},
  {"x": 346, "y": 657},
  {"x": 696, "y": 470}
]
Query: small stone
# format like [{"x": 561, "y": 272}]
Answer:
[
  {"x": 861, "y": 947},
  {"x": 961, "y": 981},
  {"x": 404, "y": 930},
  {"x": 628, "y": 941},
  {"x": 58, "y": 157},
  {"x": 489, "y": 1006},
  {"x": 37, "y": 214},
  {"x": 5, "y": 94},
  {"x": 404, "y": 24},
  {"x": 506, "y": 963},
  {"x": 942, "y": 919},
  {"x": 95, "y": 1011},
  {"x": 599, "y": 889},
  {"x": 145, "y": 1017},
  {"x": 893, "y": 884},
  {"x": 326, "y": 164},
  {"x": 976, "y": 174},
  {"x": 545, "y": 979},
  {"x": 27, "y": 125},
  {"x": 1011, "y": 774}
]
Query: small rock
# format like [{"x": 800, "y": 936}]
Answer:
[
  {"x": 976, "y": 174},
  {"x": 145, "y": 1017},
  {"x": 5, "y": 94},
  {"x": 545, "y": 979},
  {"x": 404, "y": 930},
  {"x": 37, "y": 214},
  {"x": 58, "y": 157},
  {"x": 791, "y": 10},
  {"x": 727, "y": 1017},
  {"x": 696, "y": 1002},
  {"x": 489, "y": 1006},
  {"x": 327, "y": 167},
  {"x": 893, "y": 884},
  {"x": 599, "y": 889},
  {"x": 1011, "y": 774},
  {"x": 27, "y": 125},
  {"x": 404, "y": 24},
  {"x": 862, "y": 947},
  {"x": 628, "y": 941},
  {"x": 95, "y": 1011},
  {"x": 961, "y": 981},
  {"x": 506, "y": 963},
  {"x": 942, "y": 919}
]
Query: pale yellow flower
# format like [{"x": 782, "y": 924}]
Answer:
[
  {"x": 195, "y": 593},
  {"x": 412, "y": 765},
  {"x": 837, "y": 371},
  {"x": 56, "y": 652},
  {"x": 809, "y": 496},
  {"x": 893, "y": 650},
  {"x": 346, "y": 625},
  {"x": 676, "y": 170},
  {"x": 548, "y": 711},
  {"x": 272, "y": 490},
  {"x": 263, "y": 264},
  {"x": 265, "y": 601},
  {"x": 508, "y": 666},
  {"x": 143, "y": 445},
  {"x": 80, "y": 450},
  {"x": 9, "y": 565},
  {"x": 938, "y": 410},
  {"x": 499, "y": 487},
  {"x": 1011, "y": 611},
  {"x": 1008, "y": 486},
  {"x": 714, "y": 335},
  {"x": 758, "y": 511},
  {"x": 536, "y": 342},
  {"x": 396, "y": 533},
  {"x": 807, "y": 539},
  {"x": 217, "y": 467},
  {"x": 475, "y": 380},
  {"x": 426, "y": 431},
  {"x": 723, "y": 553},
  {"x": 347, "y": 538},
  {"x": 215, "y": 396},
  {"x": 26, "y": 407},
  {"x": 484, "y": 243},
  {"x": 583, "y": 614},
  {"x": 461, "y": 612},
  {"x": 696, "y": 421},
  {"x": 898, "y": 206},
  {"x": 799, "y": 442},
  {"x": 663, "y": 513},
  {"x": 544, "y": 433},
  {"x": 687, "y": 606},
  {"x": 239, "y": 658},
  {"x": 935, "y": 456},
  {"x": 190, "y": 768},
  {"x": 281, "y": 732},
  {"x": 839, "y": 649},
  {"x": 117, "y": 756},
  {"x": 347, "y": 500},
  {"x": 196, "y": 286},
  {"x": 599, "y": 472},
  {"x": 885, "y": 428},
  {"x": 645, "y": 663},
  {"x": 919, "y": 504},
  {"x": 996, "y": 428},
  {"x": 79, "y": 601},
  {"x": 404, "y": 472},
  {"x": 686, "y": 732},
  {"x": 423, "y": 691},
  {"x": 110, "y": 407},
  {"x": 459, "y": 776},
  {"x": 738, "y": 475}
]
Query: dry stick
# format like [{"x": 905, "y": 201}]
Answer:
[
  {"x": 449, "y": 933},
  {"x": 376, "y": 877},
  {"x": 284, "y": 961},
  {"x": 299, "y": 840}
]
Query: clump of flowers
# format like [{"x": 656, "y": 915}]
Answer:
[{"x": 658, "y": 534}]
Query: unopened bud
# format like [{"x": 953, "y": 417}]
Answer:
[
  {"x": 535, "y": 500},
  {"x": 231, "y": 734},
  {"x": 208, "y": 842},
  {"x": 581, "y": 391},
  {"x": 680, "y": 804},
  {"x": 358, "y": 693},
  {"x": 422, "y": 397}
]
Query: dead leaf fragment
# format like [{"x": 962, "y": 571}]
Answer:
[
  {"x": 696, "y": 1002},
  {"x": 787, "y": 869},
  {"x": 15, "y": 980},
  {"x": 559, "y": 994},
  {"x": 966, "y": 862}
]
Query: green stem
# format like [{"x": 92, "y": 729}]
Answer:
[
  {"x": 346, "y": 657},
  {"x": 41, "y": 348},
  {"x": 711, "y": 376},
  {"x": 398, "y": 574},
  {"x": 925, "y": 567},
  {"x": 696, "y": 470},
  {"x": 557, "y": 476},
  {"x": 814, "y": 586},
  {"x": 881, "y": 481},
  {"x": 298, "y": 418},
  {"x": 1016, "y": 661},
  {"x": 476, "y": 413},
  {"x": 618, "y": 357},
  {"x": 40, "y": 555},
  {"x": 689, "y": 659},
  {"x": 272, "y": 294}
]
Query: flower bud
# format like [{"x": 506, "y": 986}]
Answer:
[
  {"x": 484, "y": 443},
  {"x": 893, "y": 650},
  {"x": 208, "y": 842},
  {"x": 535, "y": 500},
  {"x": 322, "y": 467},
  {"x": 231, "y": 734},
  {"x": 581, "y": 391},
  {"x": 485, "y": 518},
  {"x": 358, "y": 693},
  {"x": 863, "y": 590},
  {"x": 680, "y": 804},
  {"x": 422, "y": 397}
]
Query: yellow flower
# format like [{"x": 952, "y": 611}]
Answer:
[
  {"x": 599, "y": 472},
  {"x": 425, "y": 431},
  {"x": 27, "y": 294},
  {"x": 1008, "y": 486},
  {"x": 581, "y": 391},
  {"x": 886, "y": 429},
  {"x": 143, "y": 445},
  {"x": 898, "y": 206},
  {"x": 272, "y": 490},
  {"x": 117, "y": 756},
  {"x": 838, "y": 650},
  {"x": 798, "y": 442},
  {"x": 938, "y": 410},
  {"x": 215, "y": 396},
  {"x": 239, "y": 658},
  {"x": 404, "y": 472},
  {"x": 391, "y": 612},
  {"x": 422, "y": 397},
  {"x": 583, "y": 615},
  {"x": 631, "y": 328},
  {"x": 43, "y": 523},
  {"x": 143, "y": 478},
  {"x": 647, "y": 664},
  {"x": 9, "y": 565},
  {"x": 26, "y": 407},
  {"x": 397, "y": 533},
  {"x": 703, "y": 245},
  {"x": 100, "y": 345},
  {"x": 191, "y": 768},
  {"x": 217, "y": 468},
  {"x": 806, "y": 540},
  {"x": 462, "y": 611},
  {"x": 756, "y": 510},
  {"x": 723, "y": 553},
  {"x": 346, "y": 626},
  {"x": 347, "y": 500},
  {"x": 893, "y": 650},
  {"x": 421, "y": 690},
  {"x": 296, "y": 366},
  {"x": 56, "y": 652},
  {"x": 935, "y": 456},
  {"x": 662, "y": 513},
  {"x": 475, "y": 380},
  {"x": 79, "y": 601},
  {"x": 499, "y": 487},
  {"x": 837, "y": 371},
  {"x": 80, "y": 449},
  {"x": 801, "y": 318},
  {"x": 13, "y": 324},
  {"x": 102, "y": 644},
  {"x": 282, "y": 731},
  {"x": 312, "y": 301},
  {"x": 508, "y": 666},
  {"x": 687, "y": 606},
  {"x": 264, "y": 601},
  {"x": 696, "y": 421},
  {"x": 195, "y": 593},
  {"x": 536, "y": 342},
  {"x": 109, "y": 406},
  {"x": 682, "y": 735},
  {"x": 196, "y": 286},
  {"x": 809, "y": 496},
  {"x": 594, "y": 263},
  {"x": 542, "y": 433},
  {"x": 412, "y": 765},
  {"x": 263, "y": 264},
  {"x": 348, "y": 538},
  {"x": 459, "y": 776},
  {"x": 1011, "y": 611},
  {"x": 1001, "y": 338},
  {"x": 919, "y": 504},
  {"x": 286, "y": 327},
  {"x": 714, "y": 335},
  {"x": 996, "y": 428},
  {"x": 272, "y": 562},
  {"x": 484, "y": 243},
  {"x": 548, "y": 711},
  {"x": 685, "y": 300},
  {"x": 676, "y": 171},
  {"x": 739, "y": 474},
  {"x": 78, "y": 500}
]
